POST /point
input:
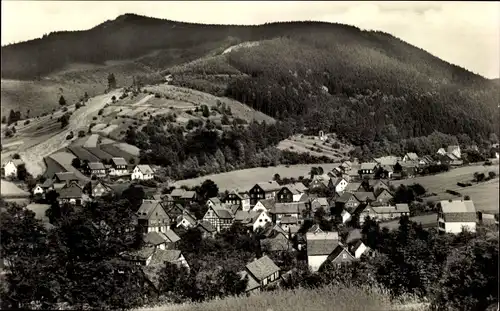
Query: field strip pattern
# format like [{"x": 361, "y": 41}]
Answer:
[
  {"x": 108, "y": 129},
  {"x": 91, "y": 141},
  {"x": 138, "y": 110},
  {"x": 125, "y": 112},
  {"x": 98, "y": 127},
  {"x": 143, "y": 101}
]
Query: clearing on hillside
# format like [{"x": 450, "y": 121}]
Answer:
[{"x": 332, "y": 148}]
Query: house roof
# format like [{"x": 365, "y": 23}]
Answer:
[
  {"x": 243, "y": 216},
  {"x": 162, "y": 256},
  {"x": 388, "y": 160},
  {"x": 146, "y": 208},
  {"x": 322, "y": 201},
  {"x": 72, "y": 191},
  {"x": 452, "y": 148},
  {"x": 189, "y": 218},
  {"x": 352, "y": 187},
  {"x": 206, "y": 226},
  {"x": 141, "y": 254},
  {"x": 119, "y": 161},
  {"x": 177, "y": 192},
  {"x": 171, "y": 236},
  {"x": 346, "y": 164},
  {"x": 288, "y": 208},
  {"x": 338, "y": 251},
  {"x": 145, "y": 169},
  {"x": 276, "y": 244},
  {"x": 322, "y": 235},
  {"x": 403, "y": 208},
  {"x": 287, "y": 220},
  {"x": 186, "y": 194},
  {"x": 290, "y": 188},
  {"x": 268, "y": 203},
  {"x": 353, "y": 235},
  {"x": 304, "y": 198},
  {"x": 16, "y": 162},
  {"x": 363, "y": 196},
  {"x": 345, "y": 197},
  {"x": 223, "y": 213},
  {"x": 96, "y": 166},
  {"x": 373, "y": 182},
  {"x": 459, "y": 211},
  {"x": 412, "y": 156},
  {"x": 66, "y": 176},
  {"x": 153, "y": 238},
  {"x": 233, "y": 208},
  {"x": 215, "y": 200},
  {"x": 262, "y": 268},
  {"x": 315, "y": 228},
  {"x": 300, "y": 187},
  {"x": 385, "y": 190},
  {"x": 321, "y": 247},
  {"x": 269, "y": 186},
  {"x": 293, "y": 229},
  {"x": 252, "y": 282},
  {"x": 368, "y": 165}
]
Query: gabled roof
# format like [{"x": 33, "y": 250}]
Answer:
[
  {"x": 252, "y": 282},
  {"x": 215, "y": 200},
  {"x": 368, "y": 165},
  {"x": 145, "y": 169},
  {"x": 373, "y": 182},
  {"x": 16, "y": 162},
  {"x": 303, "y": 198},
  {"x": 322, "y": 235},
  {"x": 321, "y": 201},
  {"x": 337, "y": 180},
  {"x": 338, "y": 251},
  {"x": 387, "y": 209},
  {"x": 119, "y": 161},
  {"x": 346, "y": 196},
  {"x": 223, "y": 213},
  {"x": 363, "y": 196},
  {"x": 233, "y": 208},
  {"x": 458, "y": 211},
  {"x": 269, "y": 186},
  {"x": 385, "y": 190},
  {"x": 315, "y": 228},
  {"x": 268, "y": 203},
  {"x": 177, "y": 192},
  {"x": 289, "y": 220},
  {"x": 189, "y": 218},
  {"x": 153, "y": 238},
  {"x": 262, "y": 268},
  {"x": 96, "y": 166},
  {"x": 175, "y": 210},
  {"x": 299, "y": 187},
  {"x": 412, "y": 156},
  {"x": 146, "y": 209},
  {"x": 141, "y": 254},
  {"x": 205, "y": 225},
  {"x": 65, "y": 176},
  {"x": 72, "y": 191},
  {"x": 289, "y": 208},
  {"x": 388, "y": 160},
  {"x": 321, "y": 247},
  {"x": 171, "y": 236},
  {"x": 290, "y": 188},
  {"x": 352, "y": 187},
  {"x": 187, "y": 194}
]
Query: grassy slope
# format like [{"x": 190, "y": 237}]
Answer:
[{"x": 330, "y": 298}]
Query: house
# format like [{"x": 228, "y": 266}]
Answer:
[
  {"x": 186, "y": 220},
  {"x": 387, "y": 171},
  {"x": 455, "y": 215},
  {"x": 147, "y": 256},
  {"x": 384, "y": 196},
  {"x": 376, "y": 184},
  {"x": 65, "y": 178},
  {"x": 336, "y": 172},
  {"x": 367, "y": 169},
  {"x": 281, "y": 210},
  {"x": 213, "y": 202},
  {"x": 176, "y": 194},
  {"x": 264, "y": 205},
  {"x": 382, "y": 212},
  {"x": 96, "y": 169},
  {"x": 72, "y": 194},
  {"x": 188, "y": 197},
  {"x": 142, "y": 172},
  {"x": 254, "y": 219},
  {"x": 410, "y": 156},
  {"x": 206, "y": 229},
  {"x": 347, "y": 201},
  {"x": 320, "y": 202},
  {"x": 352, "y": 187},
  {"x": 488, "y": 218},
  {"x": 426, "y": 160},
  {"x": 387, "y": 160},
  {"x": 346, "y": 165},
  {"x": 261, "y": 273},
  {"x": 441, "y": 151},
  {"x": 235, "y": 198},
  {"x": 96, "y": 188},
  {"x": 153, "y": 217},
  {"x": 319, "y": 183},
  {"x": 340, "y": 256},
  {"x": 410, "y": 168},
  {"x": 364, "y": 197},
  {"x": 288, "y": 194},
  {"x": 161, "y": 240},
  {"x": 345, "y": 216},
  {"x": 219, "y": 217},
  {"x": 263, "y": 190},
  {"x": 338, "y": 184},
  {"x": 10, "y": 168},
  {"x": 38, "y": 190},
  {"x": 319, "y": 246},
  {"x": 119, "y": 167},
  {"x": 276, "y": 241},
  {"x": 455, "y": 150},
  {"x": 288, "y": 221}
]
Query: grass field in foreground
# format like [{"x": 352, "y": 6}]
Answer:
[
  {"x": 245, "y": 179},
  {"x": 329, "y": 298}
]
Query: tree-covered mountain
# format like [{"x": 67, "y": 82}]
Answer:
[{"x": 369, "y": 87}]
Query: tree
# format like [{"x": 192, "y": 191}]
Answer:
[
  {"x": 135, "y": 195},
  {"x": 205, "y": 111},
  {"x": 76, "y": 163},
  {"x": 111, "y": 81},
  {"x": 62, "y": 101},
  {"x": 4, "y": 119},
  {"x": 16, "y": 156},
  {"x": 22, "y": 173},
  {"x": 492, "y": 174},
  {"x": 277, "y": 177},
  {"x": 208, "y": 189},
  {"x": 64, "y": 119}
]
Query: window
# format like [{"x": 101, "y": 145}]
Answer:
[{"x": 344, "y": 256}]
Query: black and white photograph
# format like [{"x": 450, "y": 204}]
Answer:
[{"x": 250, "y": 155}]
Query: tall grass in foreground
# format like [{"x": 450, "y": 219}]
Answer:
[{"x": 328, "y": 298}]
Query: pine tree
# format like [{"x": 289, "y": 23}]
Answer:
[{"x": 62, "y": 101}]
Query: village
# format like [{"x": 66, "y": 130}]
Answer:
[{"x": 289, "y": 213}]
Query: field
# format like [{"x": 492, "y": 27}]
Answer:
[
  {"x": 485, "y": 195},
  {"x": 64, "y": 159},
  {"x": 83, "y": 154},
  {"x": 245, "y": 179},
  {"x": 329, "y": 298},
  {"x": 308, "y": 144},
  {"x": 10, "y": 189}
]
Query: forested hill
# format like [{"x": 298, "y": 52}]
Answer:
[{"x": 369, "y": 87}]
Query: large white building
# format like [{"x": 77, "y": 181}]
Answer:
[
  {"x": 10, "y": 168},
  {"x": 142, "y": 172},
  {"x": 457, "y": 215}
]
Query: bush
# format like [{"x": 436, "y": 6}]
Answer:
[
  {"x": 81, "y": 133},
  {"x": 100, "y": 112},
  {"x": 70, "y": 136},
  {"x": 94, "y": 118},
  {"x": 64, "y": 109},
  {"x": 157, "y": 95},
  {"x": 26, "y": 122}
]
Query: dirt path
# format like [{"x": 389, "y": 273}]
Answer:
[{"x": 33, "y": 157}]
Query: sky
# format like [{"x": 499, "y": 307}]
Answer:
[{"x": 463, "y": 33}]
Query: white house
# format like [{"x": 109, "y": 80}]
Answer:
[
  {"x": 319, "y": 246},
  {"x": 10, "y": 168},
  {"x": 264, "y": 205},
  {"x": 119, "y": 167},
  {"x": 254, "y": 219},
  {"x": 142, "y": 172},
  {"x": 410, "y": 156},
  {"x": 38, "y": 189},
  {"x": 457, "y": 215},
  {"x": 345, "y": 216},
  {"x": 339, "y": 184},
  {"x": 358, "y": 249}
]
